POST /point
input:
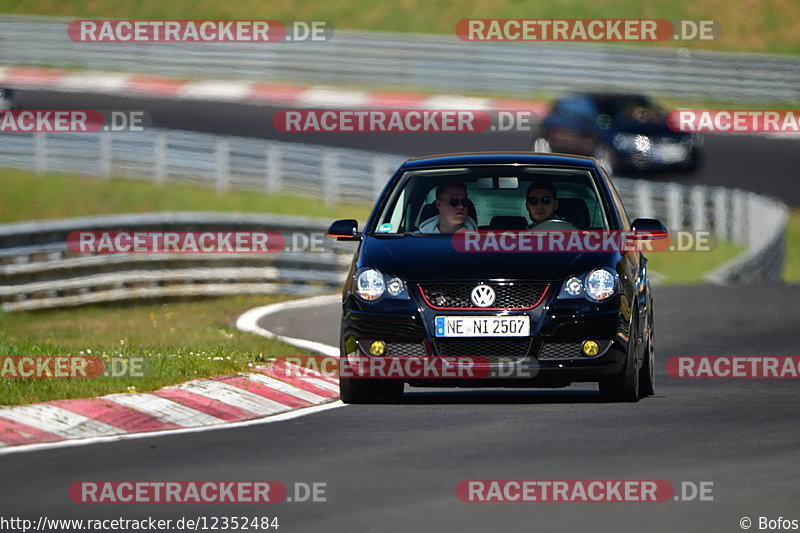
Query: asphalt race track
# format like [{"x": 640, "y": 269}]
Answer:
[
  {"x": 395, "y": 467},
  {"x": 762, "y": 164}
]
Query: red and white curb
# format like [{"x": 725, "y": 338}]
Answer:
[
  {"x": 265, "y": 394},
  {"x": 290, "y": 95}
]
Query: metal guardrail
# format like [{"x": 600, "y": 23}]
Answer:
[
  {"x": 438, "y": 63},
  {"x": 37, "y": 270},
  {"x": 337, "y": 175}
]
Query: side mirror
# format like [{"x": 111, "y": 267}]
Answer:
[
  {"x": 649, "y": 229},
  {"x": 344, "y": 230}
]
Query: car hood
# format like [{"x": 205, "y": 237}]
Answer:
[{"x": 418, "y": 257}]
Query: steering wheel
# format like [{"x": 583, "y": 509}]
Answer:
[{"x": 554, "y": 224}]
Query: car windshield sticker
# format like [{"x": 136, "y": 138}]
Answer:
[{"x": 385, "y": 228}]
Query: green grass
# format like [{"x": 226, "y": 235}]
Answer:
[
  {"x": 761, "y": 26},
  {"x": 181, "y": 340},
  {"x": 684, "y": 268},
  {"x": 791, "y": 268},
  {"x": 25, "y": 196}
]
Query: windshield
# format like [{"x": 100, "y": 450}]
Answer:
[
  {"x": 442, "y": 201},
  {"x": 631, "y": 109}
]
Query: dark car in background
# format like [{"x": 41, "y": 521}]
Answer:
[
  {"x": 6, "y": 99},
  {"x": 566, "y": 316},
  {"x": 624, "y": 132}
]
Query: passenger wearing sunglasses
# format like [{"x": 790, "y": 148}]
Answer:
[
  {"x": 453, "y": 206},
  {"x": 541, "y": 201}
]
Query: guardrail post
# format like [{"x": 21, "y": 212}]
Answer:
[
  {"x": 380, "y": 171},
  {"x": 160, "y": 159},
  {"x": 330, "y": 173},
  {"x": 721, "y": 218},
  {"x": 698, "y": 201},
  {"x": 40, "y": 153},
  {"x": 674, "y": 211},
  {"x": 758, "y": 221},
  {"x": 739, "y": 217},
  {"x": 106, "y": 154},
  {"x": 274, "y": 167},
  {"x": 223, "y": 174},
  {"x": 644, "y": 199}
]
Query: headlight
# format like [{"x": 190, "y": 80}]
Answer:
[
  {"x": 628, "y": 142},
  {"x": 370, "y": 285},
  {"x": 395, "y": 287},
  {"x": 573, "y": 287},
  {"x": 624, "y": 141},
  {"x": 600, "y": 284}
]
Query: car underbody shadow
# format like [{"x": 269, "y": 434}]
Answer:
[{"x": 496, "y": 396}]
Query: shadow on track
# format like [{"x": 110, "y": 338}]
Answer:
[{"x": 420, "y": 396}]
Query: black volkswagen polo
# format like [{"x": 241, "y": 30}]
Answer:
[{"x": 448, "y": 267}]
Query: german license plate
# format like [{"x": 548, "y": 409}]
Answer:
[{"x": 483, "y": 326}]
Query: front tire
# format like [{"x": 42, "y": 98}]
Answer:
[
  {"x": 365, "y": 390},
  {"x": 647, "y": 374},
  {"x": 624, "y": 387},
  {"x": 357, "y": 390}
]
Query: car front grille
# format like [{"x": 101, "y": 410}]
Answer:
[
  {"x": 405, "y": 349},
  {"x": 395, "y": 328},
  {"x": 509, "y": 295},
  {"x": 560, "y": 350},
  {"x": 551, "y": 351},
  {"x": 496, "y": 349}
]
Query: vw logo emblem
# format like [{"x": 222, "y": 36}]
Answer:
[{"x": 482, "y": 296}]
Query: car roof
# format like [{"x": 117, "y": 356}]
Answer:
[
  {"x": 499, "y": 158},
  {"x": 605, "y": 95},
  {"x": 610, "y": 101}
]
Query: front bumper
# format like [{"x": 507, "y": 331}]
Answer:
[{"x": 550, "y": 356}]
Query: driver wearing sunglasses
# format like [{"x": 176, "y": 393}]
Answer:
[
  {"x": 541, "y": 201},
  {"x": 453, "y": 206}
]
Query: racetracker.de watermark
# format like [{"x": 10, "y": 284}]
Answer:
[
  {"x": 581, "y": 490},
  {"x": 733, "y": 367},
  {"x": 195, "y": 242},
  {"x": 587, "y": 30},
  {"x": 72, "y": 367},
  {"x": 577, "y": 241},
  {"x": 405, "y": 368},
  {"x": 205, "y": 491},
  {"x": 73, "y": 121},
  {"x": 403, "y": 120},
  {"x": 734, "y": 121},
  {"x": 198, "y": 31}
]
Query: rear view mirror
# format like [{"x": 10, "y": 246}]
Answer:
[
  {"x": 649, "y": 229},
  {"x": 510, "y": 182},
  {"x": 485, "y": 183},
  {"x": 344, "y": 230}
]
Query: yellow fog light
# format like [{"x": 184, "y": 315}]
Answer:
[
  {"x": 377, "y": 348},
  {"x": 589, "y": 347}
]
